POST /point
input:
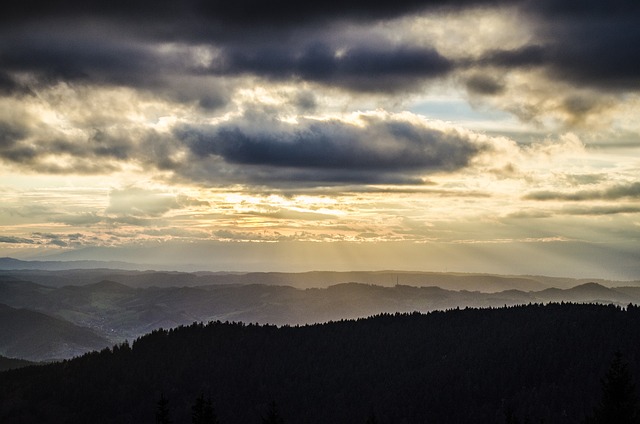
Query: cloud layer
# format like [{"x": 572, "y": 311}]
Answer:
[
  {"x": 377, "y": 149},
  {"x": 452, "y": 122},
  {"x": 588, "y": 43}
]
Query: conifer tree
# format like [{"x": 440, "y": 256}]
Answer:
[
  {"x": 162, "y": 411},
  {"x": 197, "y": 410},
  {"x": 273, "y": 416},
  {"x": 619, "y": 404},
  {"x": 209, "y": 416},
  {"x": 202, "y": 411},
  {"x": 372, "y": 419}
]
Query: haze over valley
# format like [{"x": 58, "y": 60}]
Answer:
[{"x": 79, "y": 310}]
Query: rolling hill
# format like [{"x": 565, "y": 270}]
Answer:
[
  {"x": 35, "y": 336},
  {"x": 13, "y": 363},
  {"x": 117, "y": 311}
]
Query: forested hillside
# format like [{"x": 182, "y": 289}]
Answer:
[{"x": 536, "y": 363}]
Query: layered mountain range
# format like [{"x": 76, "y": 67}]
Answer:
[{"x": 41, "y": 318}]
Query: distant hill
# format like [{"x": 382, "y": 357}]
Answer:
[
  {"x": 316, "y": 279},
  {"x": 17, "y": 264},
  {"x": 518, "y": 364},
  {"x": 13, "y": 363},
  {"x": 35, "y": 336},
  {"x": 118, "y": 311},
  {"x": 588, "y": 292}
]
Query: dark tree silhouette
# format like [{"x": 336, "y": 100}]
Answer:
[
  {"x": 545, "y": 362},
  {"x": 202, "y": 411},
  {"x": 273, "y": 416},
  {"x": 619, "y": 404},
  {"x": 162, "y": 411},
  {"x": 510, "y": 417},
  {"x": 209, "y": 416},
  {"x": 372, "y": 419}
]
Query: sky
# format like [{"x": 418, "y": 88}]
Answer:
[{"x": 439, "y": 135}]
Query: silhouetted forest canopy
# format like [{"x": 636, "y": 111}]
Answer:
[{"x": 552, "y": 363}]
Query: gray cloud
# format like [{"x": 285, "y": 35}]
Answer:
[
  {"x": 118, "y": 43},
  {"x": 199, "y": 18},
  {"x": 10, "y": 133},
  {"x": 19, "y": 145},
  {"x": 381, "y": 145},
  {"x": 587, "y": 43},
  {"x": 12, "y": 148},
  {"x": 361, "y": 67},
  {"x": 104, "y": 148},
  {"x": 15, "y": 240},
  {"x": 50, "y": 239},
  {"x": 41, "y": 239},
  {"x": 65, "y": 56},
  {"x": 602, "y": 210},
  {"x": 305, "y": 101},
  {"x": 127, "y": 44},
  {"x": 9, "y": 86},
  {"x": 526, "y": 56},
  {"x": 581, "y": 179},
  {"x": 383, "y": 150},
  {"x": 104, "y": 57},
  {"x": 615, "y": 192},
  {"x": 484, "y": 84}
]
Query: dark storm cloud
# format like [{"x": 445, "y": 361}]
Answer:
[
  {"x": 605, "y": 56},
  {"x": 383, "y": 150},
  {"x": 114, "y": 43},
  {"x": 616, "y": 192},
  {"x": 111, "y": 60},
  {"x": 333, "y": 145},
  {"x": 9, "y": 86},
  {"x": 286, "y": 12},
  {"x": 82, "y": 57},
  {"x": 167, "y": 14},
  {"x": 361, "y": 67},
  {"x": 105, "y": 57},
  {"x": 526, "y": 56},
  {"x": 589, "y": 43}
]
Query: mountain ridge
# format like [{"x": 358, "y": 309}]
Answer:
[
  {"x": 117, "y": 311},
  {"x": 60, "y": 272}
]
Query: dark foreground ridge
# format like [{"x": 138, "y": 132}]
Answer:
[{"x": 527, "y": 363}]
